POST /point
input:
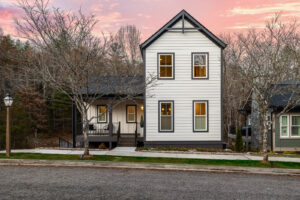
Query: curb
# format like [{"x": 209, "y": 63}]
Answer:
[
  {"x": 150, "y": 166},
  {"x": 158, "y": 154}
]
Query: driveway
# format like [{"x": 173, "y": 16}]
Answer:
[{"x": 91, "y": 183}]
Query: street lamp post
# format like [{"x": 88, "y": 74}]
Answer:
[{"x": 8, "y": 100}]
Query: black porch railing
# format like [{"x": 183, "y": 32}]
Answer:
[
  {"x": 103, "y": 129},
  {"x": 99, "y": 132}
]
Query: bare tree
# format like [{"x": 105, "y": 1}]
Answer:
[
  {"x": 70, "y": 59},
  {"x": 235, "y": 89},
  {"x": 266, "y": 58}
]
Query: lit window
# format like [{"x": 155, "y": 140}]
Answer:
[
  {"x": 102, "y": 114},
  {"x": 166, "y": 65},
  {"x": 166, "y": 116},
  {"x": 200, "y": 116},
  {"x": 200, "y": 63},
  {"x": 131, "y": 113}
]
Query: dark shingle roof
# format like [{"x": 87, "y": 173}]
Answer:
[
  {"x": 288, "y": 92},
  {"x": 116, "y": 85}
]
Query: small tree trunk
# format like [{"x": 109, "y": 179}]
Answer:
[
  {"x": 85, "y": 135},
  {"x": 265, "y": 134}
]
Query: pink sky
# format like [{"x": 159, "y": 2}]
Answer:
[{"x": 220, "y": 16}]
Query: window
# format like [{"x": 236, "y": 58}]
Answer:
[
  {"x": 289, "y": 126},
  {"x": 200, "y": 116},
  {"x": 166, "y": 116},
  {"x": 166, "y": 65},
  {"x": 295, "y": 126},
  {"x": 102, "y": 113},
  {"x": 284, "y": 126},
  {"x": 200, "y": 65},
  {"x": 131, "y": 114}
]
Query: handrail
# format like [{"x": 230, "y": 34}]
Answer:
[
  {"x": 119, "y": 133},
  {"x": 64, "y": 143},
  {"x": 135, "y": 134}
]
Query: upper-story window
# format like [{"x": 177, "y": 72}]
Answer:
[
  {"x": 166, "y": 65},
  {"x": 200, "y": 65}
]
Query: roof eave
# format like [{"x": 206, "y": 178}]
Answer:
[{"x": 187, "y": 16}]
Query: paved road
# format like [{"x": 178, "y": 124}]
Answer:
[{"x": 89, "y": 183}]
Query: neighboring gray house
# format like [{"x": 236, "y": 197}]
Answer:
[
  {"x": 184, "y": 107},
  {"x": 286, "y": 127},
  {"x": 284, "y": 134}
]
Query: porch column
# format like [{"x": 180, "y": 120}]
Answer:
[
  {"x": 110, "y": 123},
  {"x": 74, "y": 123}
]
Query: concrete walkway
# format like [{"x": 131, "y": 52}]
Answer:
[
  {"x": 149, "y": 166},
  {"x": 130, "y": 151}
]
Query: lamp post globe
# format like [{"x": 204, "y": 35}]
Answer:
[{"x": 8, "y": 101}]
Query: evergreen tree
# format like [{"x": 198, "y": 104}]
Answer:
[{"x": 238, "y": 141}]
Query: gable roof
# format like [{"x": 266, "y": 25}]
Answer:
[
  {"x": 183, "y": 15},
  {"x": 288, "y": 92},
  {"x": 248, "y": 103}
]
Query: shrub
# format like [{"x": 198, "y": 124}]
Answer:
[
  {"x": 142, "y": 121},
  {"x": 289, "y": 152},
  {"x": 238, "y": 146},
  {"x": 182, "y": 149},
  {"x": 200, "y": 149},
  {"x": 102, "y": 146}
]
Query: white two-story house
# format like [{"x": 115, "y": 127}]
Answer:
[{"x": 184, "y": 107}]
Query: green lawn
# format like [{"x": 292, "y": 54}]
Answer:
[{"x": 243, "y": 163}]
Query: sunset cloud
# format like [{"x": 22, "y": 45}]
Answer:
[
  {"x": 256, "y": 14},
  {"x": 113, "y": 5},
  {"x": 267, "y": 8},
  {"x": 247, "y": 25},
  {"x": 7, "y": 15},
  {"x": 144, "y": 15},
  {"x": 149, "y": 15}
]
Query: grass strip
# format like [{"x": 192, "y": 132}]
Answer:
[{"x": 240, "y": 163}]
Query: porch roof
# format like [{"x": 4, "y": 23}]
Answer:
[{"x": 115, "y": 85}]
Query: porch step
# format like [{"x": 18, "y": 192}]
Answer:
[{"x": 126, "y": 142}]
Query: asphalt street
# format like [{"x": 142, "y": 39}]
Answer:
[{"x": 21, "y": 182}]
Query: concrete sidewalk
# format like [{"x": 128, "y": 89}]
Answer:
[
  {"x": 130, "y": 151},
  {"x": 150, "y": 166}
]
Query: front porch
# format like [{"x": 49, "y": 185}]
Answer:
[
  {"x": 118, "y": 126},
  {"x": 100, "y": 133}
]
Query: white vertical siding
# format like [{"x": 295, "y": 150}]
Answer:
[
  {"x": 118, "y": 114},
  {"x": 183, "y": 90}
]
